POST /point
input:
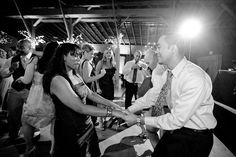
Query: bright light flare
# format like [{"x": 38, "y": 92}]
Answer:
[{"x": 190, "y": 28}]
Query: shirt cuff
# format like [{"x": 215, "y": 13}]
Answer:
[{"x": 150, "y": 121}]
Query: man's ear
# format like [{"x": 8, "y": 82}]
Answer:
[{"x": 173, "y": 48}]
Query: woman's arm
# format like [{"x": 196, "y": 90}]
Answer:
[
  {"x": 29, "y": 72},
  {"x": 62, "y": 89},
  {"x": 100, "y": 100},
  {"x": 86, "y": 77},
  {"x": 97, "y": 72}
]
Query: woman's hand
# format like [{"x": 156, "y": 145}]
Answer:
[
  {"x": 19, "y": 79},
  {"x": 118, "y": 114},
  {"x": 99, "y": 91},
  {"x": 103, "y": 72},
  {"x": 114, "y": 105}
]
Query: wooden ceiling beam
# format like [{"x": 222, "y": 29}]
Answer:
[
  {"x": 83, "y": 13},
  {"x": 81, "y": 32},
  {"x": 76, "y": 21},
  {"x": 37, "y": 22},
  {"x": 132, "y": 28},
  {"x": 229, "y": 11},
  {"x": 140, "y": 33},
  {"x": 91, "y": 37},
  {"x": 107, "y": 36},
  {"x": 98, "y": 31},
  {"x": 126, "y": 33},
  {"x": 91, "y": 30},
  {"x": 110, "y": 29}
]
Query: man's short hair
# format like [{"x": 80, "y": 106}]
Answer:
[
  {"x": 175, "y": 39},
  {"x": 138, "y": 51}
]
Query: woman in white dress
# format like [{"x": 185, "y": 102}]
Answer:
[{"x": 31, "y": 118}]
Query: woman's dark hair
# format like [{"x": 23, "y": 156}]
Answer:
[
  {"x": 57, "y": 64},
  {"x": 48, "y": 52}
]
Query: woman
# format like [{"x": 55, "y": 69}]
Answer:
[
  {"x": 74, "y": 131},
  {"x": 18, "y": 94},
  {"x": 5, "y": 80},
  {"x": 30, "y": 118},
  {"x": 87, "y": 71},
  {"x": 105, "y": 85}
]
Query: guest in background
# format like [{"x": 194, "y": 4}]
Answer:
[
  {"x": 87, "y": 71},
  {"x": 3, "y": 75},
  {"x": 134, "y": 76},
  {"x": 105, "y": 85},
  {"x": 74, "y": 131},
  {"x": 18, "y": 94},
  {"x": 188, "y": 95},
  {"x": 98, "y": 56},
  {"x": 151, "y": 60},
  {"x": 34, "y": 72}
]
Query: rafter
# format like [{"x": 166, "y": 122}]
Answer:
[
  {"x": 218, "y": 16},
  {"x": 62, "y": 30},
  {"x": 91, "y": 30},
  {"x": 105, "y": 13},
  {"x": 60, "y": 34},
  {"x": 103, "y": 29},
  {"x": 37, "y": 22},
  {"x": 64, "y": 20},
  {"x": 140, "y": 33},
  {"x": 98, "y": 31},
  {"x": 126, "y": 33},
  {"x": 110, "y": 29},
  {"x": 229, "y": 11},
  {"x": 132, "y": 27},
  {"x": 88, "y": 33},
  {"x": 81, "y": 32},
  {"x": 76, "y": 21},
  {"x": 81, "y": 29}
]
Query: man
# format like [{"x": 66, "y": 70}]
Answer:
[
  {"x": 191, "y": 119},
  {"x": 133, "y": 75}
]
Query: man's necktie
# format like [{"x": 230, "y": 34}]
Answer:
[
  {"x": 134, "y": 75},
  {"x": 157, "y": 109}
]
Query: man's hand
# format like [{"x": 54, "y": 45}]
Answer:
[{"x": 130, "y": 118}]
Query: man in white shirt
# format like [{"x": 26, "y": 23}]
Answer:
[
  {"x": 133, "y": 75},
  {"x": 191, "y": 119}
]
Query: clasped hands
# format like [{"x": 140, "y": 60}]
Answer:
[{"x": 129, "y": 118}]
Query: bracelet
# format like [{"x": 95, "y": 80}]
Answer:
[
  {"x": 138, "y": 120},
  {"x": 109, "y": 112}
]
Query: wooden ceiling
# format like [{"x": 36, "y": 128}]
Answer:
[{"x": 140, "y": 21}]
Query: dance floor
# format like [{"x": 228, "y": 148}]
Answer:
[{"x": 112, "y": 141}]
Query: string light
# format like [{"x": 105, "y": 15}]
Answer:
[
  {"x": 35, "y": 41},
  {"x": 113, "y": 40},
  {"x": 74, "y": 39}
]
